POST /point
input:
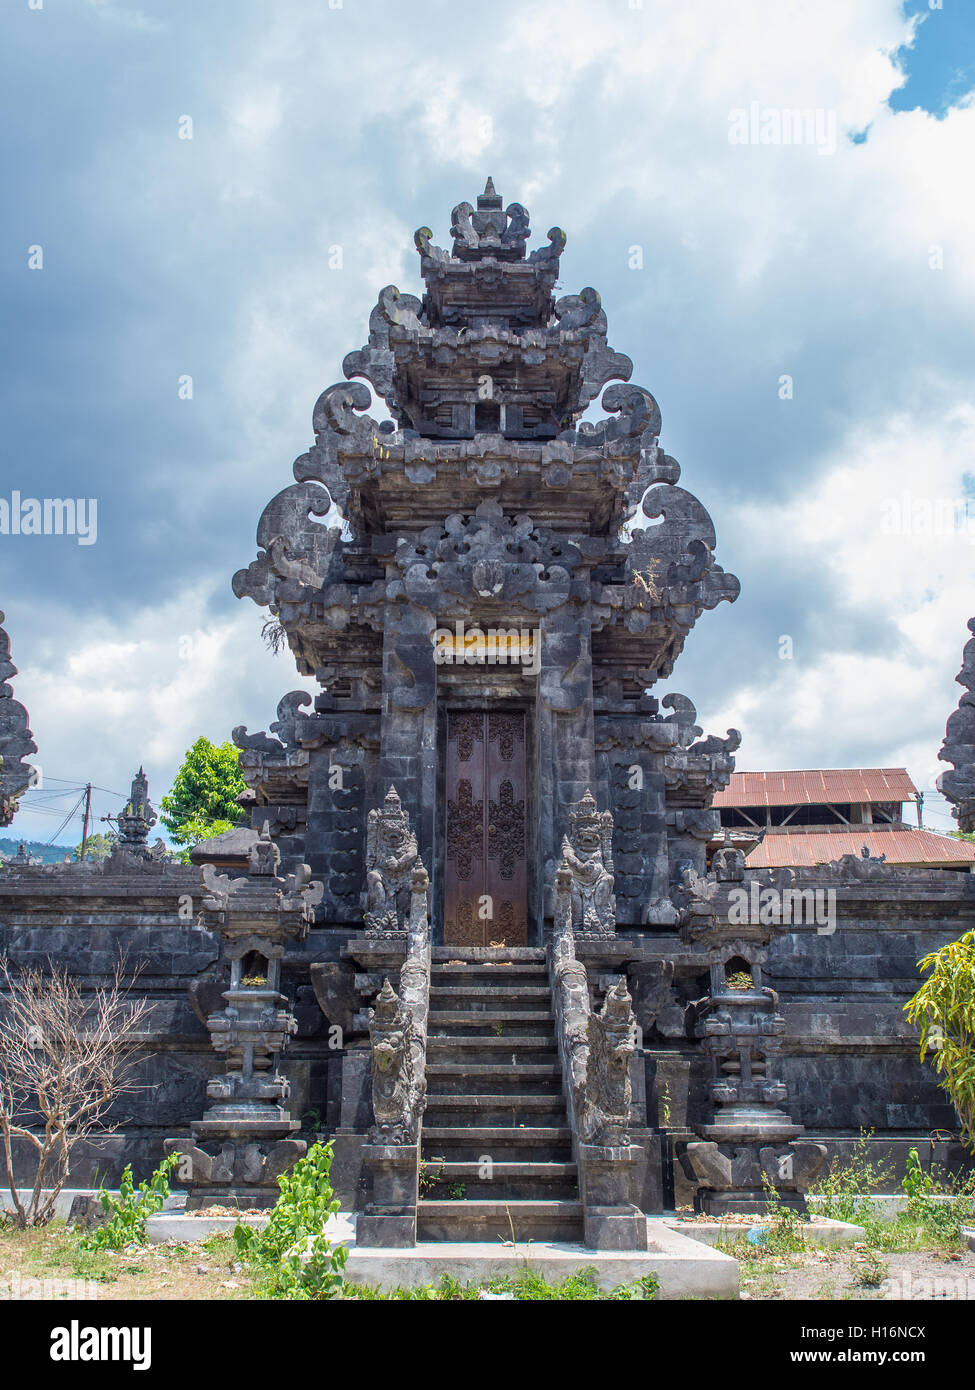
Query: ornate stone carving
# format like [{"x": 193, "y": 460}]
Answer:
[
  {"x": 612, "y": 1034},
  {"x": 959, "y": 744},
  {"x": 16, "y": 741},
  {"x": 741, "y": 1029},
  {"x": 396, "y": 1091},
  {"x": 391, "y": 852},
  {"x": 491, "y": 553},
  {"x": 137, "y": 818},
  {"x": 587, "y": 854}
]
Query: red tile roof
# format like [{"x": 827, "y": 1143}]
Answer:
[
  {"x": 817, "y": 786},
  {"x": 915, "y": 847}
]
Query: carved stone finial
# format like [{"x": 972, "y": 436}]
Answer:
[
  {"x": 489, "y": 230},
  {"x": 264, "y": 856},
  {"x": 138, "y": 817}
]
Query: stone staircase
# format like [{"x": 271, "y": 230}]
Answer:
[{"x": 495, "y": 1129}]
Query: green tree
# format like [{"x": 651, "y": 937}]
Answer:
[
  {"x": 944, "y": 1009},
  {"x": 97, "y": 847},
  {"x": 202, "y": 801}
]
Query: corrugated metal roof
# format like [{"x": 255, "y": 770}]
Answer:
[
  {"x": 817, "y": 786},
  {"x": 914, "y": 847}
]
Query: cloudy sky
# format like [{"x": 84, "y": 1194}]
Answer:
[{"x": 801, "y": 311}]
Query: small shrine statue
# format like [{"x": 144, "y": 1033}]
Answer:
[
  {"x": 587, "y": 852},
  {"x": 391, "y": 852}
]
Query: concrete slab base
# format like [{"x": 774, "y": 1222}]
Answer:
[
  {"x": 66, "y": 1198},
  {"x": 684, "y": 1267},
  {"x": 887, "y": 1206},
  {"x": 820, "y": 1230},
  {"x": 189, "y": 1226}
]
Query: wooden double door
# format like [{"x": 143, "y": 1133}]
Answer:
[{"x": 486, "y": 830}]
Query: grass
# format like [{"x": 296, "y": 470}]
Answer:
[
  {"x": 209, "y": 1270},
  {"x": 212, "y": 1270},
  {"x": 527, "y": 1284}
]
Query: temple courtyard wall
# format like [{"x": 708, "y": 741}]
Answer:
[{"x": 848, "y": 1055}]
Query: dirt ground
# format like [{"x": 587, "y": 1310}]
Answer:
[
  {"x": 49, "y": 1263},
  {"x": 850, "y": 1273}
]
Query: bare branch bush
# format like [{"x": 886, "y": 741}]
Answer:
[{"x": 65, "y": 1059}]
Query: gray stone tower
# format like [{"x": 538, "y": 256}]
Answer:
[{"x": 485, "y": 635}]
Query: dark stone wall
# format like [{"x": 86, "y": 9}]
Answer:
[{"x": 849, "y": 1056}]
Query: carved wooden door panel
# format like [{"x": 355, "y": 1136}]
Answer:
[{"x": 485, "y": 872}]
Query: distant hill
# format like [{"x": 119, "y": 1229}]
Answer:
[{"x": 48, "y": 854}]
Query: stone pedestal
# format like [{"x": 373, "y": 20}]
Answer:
[
  {"x": 608, "y": 1179},
  {"x": 390, "y": 1218}
]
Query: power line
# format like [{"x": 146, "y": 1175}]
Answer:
[{"x": 70, "y": 816}]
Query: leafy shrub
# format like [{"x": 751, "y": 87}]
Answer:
[
  {"x": 128, "y": 1211},
  {"x": 942, "y": 1219},
  {"x": 298, "y": 1219},
  {"x": 846, "y": 1185},
  {"x": 944, "y": 1008}
]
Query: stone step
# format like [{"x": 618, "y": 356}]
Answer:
[
  {"x": 509, "y": 1080},
  {"x": 471, "y": 1035},
  {"x": 476, "y": 994},
  {"x": 499, "y": 955},
  {"x": 499, "y": 1181},
  {"x": 515, "y": 1101},
  {"x": 501, "y": 1143},
  {"x": 484, "y": 970},
  {"x": 488, "y": 1016},
  {"x": 520, "y": 1220},
  {"x": 505, "y": 1069},
  {"x": 489, "y": 1110},
  {"x": 473, "y": 1169},
  {"x": 497, "y": 1134},
  {"x": 489, "y": 1044}
]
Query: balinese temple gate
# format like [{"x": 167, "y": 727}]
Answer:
[
  {"x": 483, "y": 932},
  {"x": 507, "y": 823}
]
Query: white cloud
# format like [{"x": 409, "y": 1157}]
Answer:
[
  {"x": 892, "y": 533},
  {"x": 327, "y": 128},
  {"x": 142, "y": 691}
]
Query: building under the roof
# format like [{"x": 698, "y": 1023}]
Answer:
[{"x": 815, "y": 816}]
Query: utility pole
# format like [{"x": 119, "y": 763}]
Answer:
[{"x": 84, "y": 832}]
